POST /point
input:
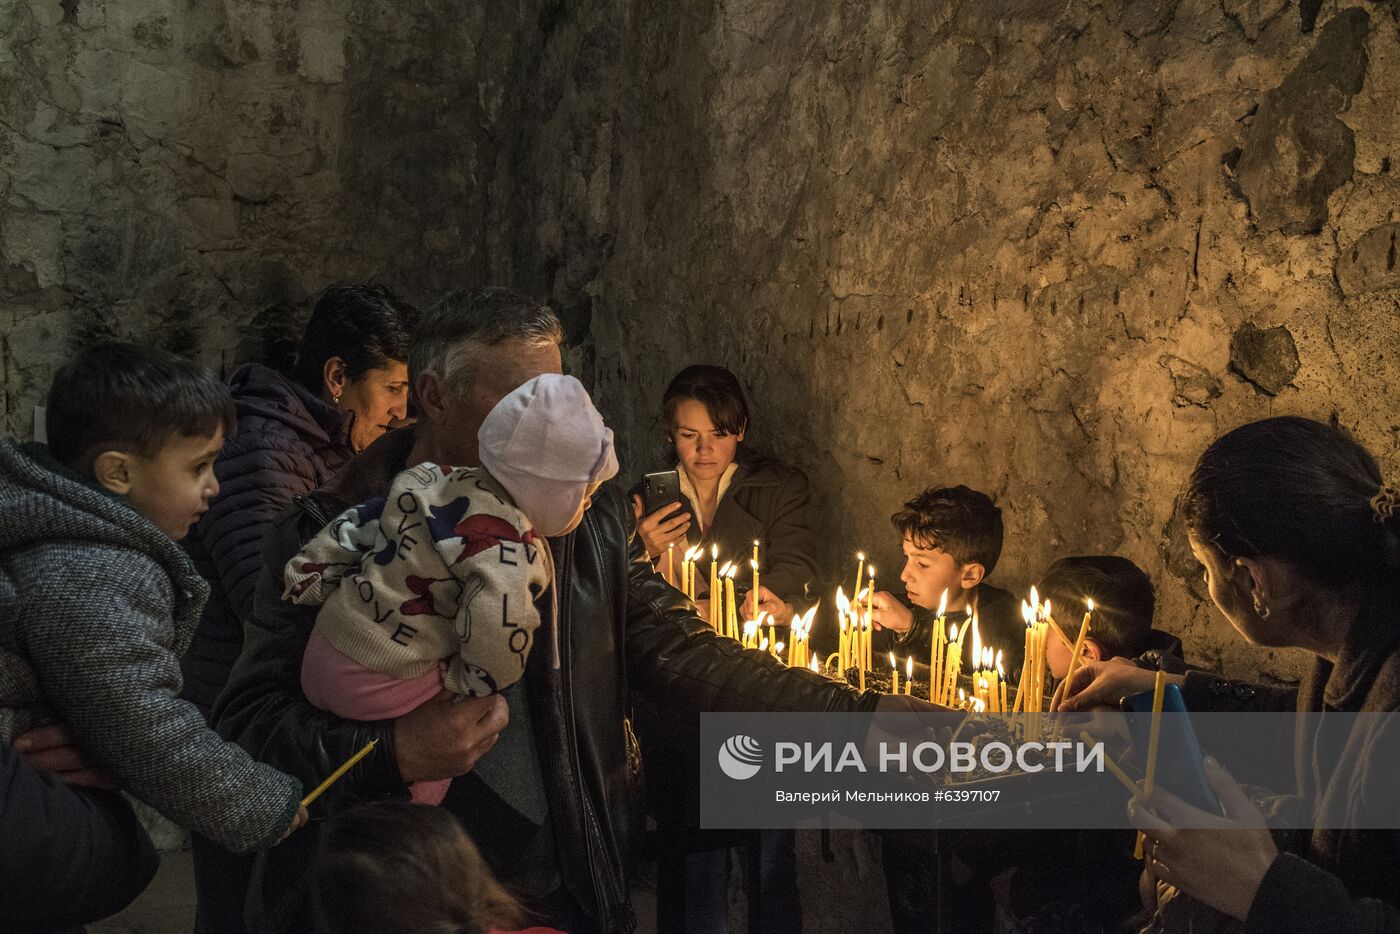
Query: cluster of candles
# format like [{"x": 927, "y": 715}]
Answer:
[
  {"x": 1030, "y": 693},
  {"x": 853, "y": 648},
  {"x": 799, "y": 645},
  {"x": 724, "y": 609},
  {"x": 856, "y": 628},
  {"x": 724, "y": 616}
]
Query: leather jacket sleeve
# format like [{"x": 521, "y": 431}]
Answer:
[
  {"x": 676, "y": 661},
  {"x": 263, "y": 708}
]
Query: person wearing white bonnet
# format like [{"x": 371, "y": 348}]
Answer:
[
  {"x": 446, "y": 571},
  {"x": 547, "y": 445}
]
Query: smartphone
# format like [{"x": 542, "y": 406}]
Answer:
[
  {"x": 662, "y": 488},
  {"x": 1178, "y": 754}
]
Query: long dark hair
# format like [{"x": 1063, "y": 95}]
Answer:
[
  {"x": 1301, "y": 491},
  {"x": 367, "y": 326},
  {"x": 400, "y": 868}
]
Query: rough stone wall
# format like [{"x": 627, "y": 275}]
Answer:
[
  {"x": 189, "y": 175},
  {"x": 1047, "y": 250}
]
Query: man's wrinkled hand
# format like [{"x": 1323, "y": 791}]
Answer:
[{"x": 446, "y": 736}]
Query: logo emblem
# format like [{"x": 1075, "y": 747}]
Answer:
[{"x": 740, "y": 757}]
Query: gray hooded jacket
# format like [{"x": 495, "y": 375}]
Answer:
[{"x": 96, "y": 606}]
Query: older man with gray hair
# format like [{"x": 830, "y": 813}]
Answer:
[{"x": 553, "y": 806}]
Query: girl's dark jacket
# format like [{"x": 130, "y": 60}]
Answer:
[
  {"x": 288, "y": 442},
  {"x": 767, "y": 501}
]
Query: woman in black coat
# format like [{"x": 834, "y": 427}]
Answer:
[
  {"x": 349, "y": 383},
  {"x": 736, "y": 499}
]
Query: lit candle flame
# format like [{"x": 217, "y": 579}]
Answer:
[
  {"x": 943, "y": 602},
  {"x": 1091, "y": 604},
  {"x": 892, "y": 662},
  {"x": 909, "y": 666},
  {"x": 953, "y": 633}
]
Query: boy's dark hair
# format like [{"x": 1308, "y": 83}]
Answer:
[
  {"x": 396, "y": 867},
  {"x": 1301, "y": 491},
  {"x": 961, "y": 521},
  {"x": 367, "y": 326},
  {"x": 715, "y": 388},
  {"x": 130, "y": 398},
  {"x": 1123, "y": 601}
]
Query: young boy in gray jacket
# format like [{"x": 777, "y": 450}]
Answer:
[{"x": 97, "y": 601}]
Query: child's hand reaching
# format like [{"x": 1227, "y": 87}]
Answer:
[
  {"x": 295, "y": 825},
  {"x": 889, "y": 613}
]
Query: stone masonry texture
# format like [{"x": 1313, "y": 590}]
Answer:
[{"x": 1046, "y": 250}]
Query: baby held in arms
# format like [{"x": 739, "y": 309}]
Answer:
[{"x": 435, "y": 585}]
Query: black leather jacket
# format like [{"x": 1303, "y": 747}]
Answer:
[{"x": 622, "y": 629}]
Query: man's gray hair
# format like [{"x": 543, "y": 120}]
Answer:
[{"x": 484, "y": 317}]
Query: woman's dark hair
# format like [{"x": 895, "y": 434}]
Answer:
[
  {"x": 1297, "y": 490},
  {"x": 1123, "y": 601},
  {"x": 396, "y": 867},
  {"x": 367, "y": 326},
  {"x": 715, "y": 388},
  {"x": 131, "y": 398}
]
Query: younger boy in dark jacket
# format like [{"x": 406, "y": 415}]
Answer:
[
  {"x": 1121, "y": 624},
  {"x": 1088, "y": 884},
  {"x": 97, "y": 601}
]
